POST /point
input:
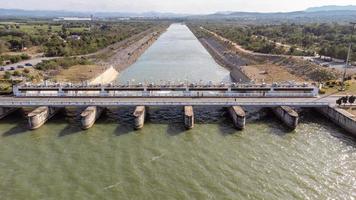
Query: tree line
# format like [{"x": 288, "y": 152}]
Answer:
[
  {"x": 346, "y": 99},
  {"x": 302, "y": 40},
  {"x": 68, "y": 39}
]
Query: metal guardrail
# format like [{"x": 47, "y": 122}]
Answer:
[
  {"x": 160, "y": 103},
  {"x": 222, "y": 95}
]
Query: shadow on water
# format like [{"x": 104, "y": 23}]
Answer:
[
  {"x": 266, "y": 116},
  {"x": 18, "y": 119},
  {"x": 175, "y": 129},
  {"x": 226, "y": 126},
  {"x": 19, "y": 129},
  {"x": 71, "y": 129},
  {"x": 122, "y": 130}
]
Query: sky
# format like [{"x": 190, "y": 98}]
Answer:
[{"x": 176, "y": 6}]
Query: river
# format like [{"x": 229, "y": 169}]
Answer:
[{"x": 163, "y": 161}]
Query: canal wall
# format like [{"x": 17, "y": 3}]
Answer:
[
  {"x": 238, "y": 76},
  {"x": 219, "y": 56},
  {"x": 108, "y": 76},
  {"x": 286, "y": 114},
  {"x": 341, "y": 117}
]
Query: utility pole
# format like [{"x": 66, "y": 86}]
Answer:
[{"x": 348, "y": 56}]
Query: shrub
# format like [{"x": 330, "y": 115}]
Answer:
[
  {"x": 322, "y": 91},
  {"x": 62, "y": 63}
]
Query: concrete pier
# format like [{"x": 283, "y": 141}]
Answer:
[
  {"x": 188, "y": 117},
  {"x": 40, "y": 115},
  {"x": 140, "y": 115},
  {"x": 340, "y": 117},
  {"x": 238, "y": 116},
  {"x": 4, "y": 111},
  {"x": 286, "y": 114},
  {"x": 89, "y": 116}
]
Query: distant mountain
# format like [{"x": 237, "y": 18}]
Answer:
[
  {"x": 331, "y": 8},
  {"x": 340, "y": 16},
  {"x": 59, "y": 13}
]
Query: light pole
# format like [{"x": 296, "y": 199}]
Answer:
[{"x": 348, "y": 56}]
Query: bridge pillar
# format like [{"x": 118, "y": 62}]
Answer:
[
  {"x": 188, "y": 117},
  {"x": 40, "y": 115},
  {"x": 4, "y": 111},
  {"x": 89, "y": 116},
  {"x": 286, "y": 114},
  {"x": 140, "y": 115},
  {"x": 238, "y": 116}
]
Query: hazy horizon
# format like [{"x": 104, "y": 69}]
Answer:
[{"x": 181, "y": 7}]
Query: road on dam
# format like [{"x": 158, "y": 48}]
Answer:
[{"x": 166, "y": 101}]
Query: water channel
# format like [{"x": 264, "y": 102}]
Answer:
[{"x": 163, "y": 161}]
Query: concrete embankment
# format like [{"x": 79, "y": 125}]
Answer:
[
  {"x": 287, "y": 115},
  {"x": 125, "y": 53},
  {"x": 341, "y": 117},
  {"x": 108, "y": 76},
  {"x": 89, "y": 116},
  {"x": 226, "y": 59},
  {"x": 40, "y": 115}
]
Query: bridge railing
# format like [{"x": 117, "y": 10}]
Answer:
[
  {"x": 158, "y": 103},
  {"x": 148, "y": 95}
]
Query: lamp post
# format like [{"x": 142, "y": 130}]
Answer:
[{"x": 348, "y": 56}]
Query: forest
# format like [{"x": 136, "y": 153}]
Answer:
[
  {"x": 330, "y": 39},
  {"x": 66, "y": 38}
]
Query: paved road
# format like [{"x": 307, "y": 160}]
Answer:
[
  {"x": 33, "y": 62},
  {"x": 167, "y": 101}
]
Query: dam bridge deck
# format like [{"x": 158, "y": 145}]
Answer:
[{"x": 167, "y": 101}]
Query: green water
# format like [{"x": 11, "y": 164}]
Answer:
[
  {"x": 176, "y": 56},
  {"x": 163, "y": 161}
]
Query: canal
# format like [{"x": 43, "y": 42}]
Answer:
[
  {"x": 163, "y": 160},
  {"x": 176, "y": 56}
]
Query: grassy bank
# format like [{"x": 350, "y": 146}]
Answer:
[{"x": 67, "y": 38}]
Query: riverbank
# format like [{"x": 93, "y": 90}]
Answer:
[
  {"x": 124, "y": 54},
  {"x": 287, "y": 68},
  {"x": 94, "y": 74},
  {"x": 119, "y": 55},
  {"x": 108, "y": 76}
]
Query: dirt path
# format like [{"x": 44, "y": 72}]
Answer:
[{"x": 295, "y": 65}]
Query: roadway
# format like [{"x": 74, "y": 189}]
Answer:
[
  {"x": 166, "y": 101},
  {"x": 33, "y": 62}
]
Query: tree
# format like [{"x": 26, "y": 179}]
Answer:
[
  {"x": 7, "y": 75},
  {"x": 345, "y": 100},
  {"x": 352, "y": 99},
  {"x": 339, "y": 102},
  {"x": 3, "y": 46}
]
